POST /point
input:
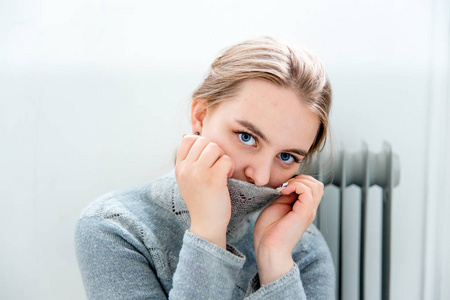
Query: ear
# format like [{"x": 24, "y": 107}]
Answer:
[{"x": 199, "y": 108}]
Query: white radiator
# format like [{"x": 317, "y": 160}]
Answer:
[{"x": 362, "y": 169}]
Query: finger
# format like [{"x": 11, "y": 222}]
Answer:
[
  {"x": 210, "y": 155},
  {"x": 315, "y": 185},
  {"x": 307, "y": 179},
  {"x": 290, "y": 187},
  {"x": 185, "y": 146},
  {"x": 311, "y": 181},
  {"x": 284, "y": 185},
  {"x": 224, "y": 165},
  {"x": 285, "y": 199},
  {"x": 196, "y": 149},
  {"x": 303, "y": 191}
]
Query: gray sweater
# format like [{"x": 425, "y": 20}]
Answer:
[{"x": 135, "y": 244}]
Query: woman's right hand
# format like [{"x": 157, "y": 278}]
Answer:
[{"x": 202, "y": 169}]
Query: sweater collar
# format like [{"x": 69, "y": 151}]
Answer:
[{"x": 246, "y": 199}]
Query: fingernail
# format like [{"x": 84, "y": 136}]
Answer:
[
  {"x": 184, "y": 134},
  {"x": 281, "y": 187}
]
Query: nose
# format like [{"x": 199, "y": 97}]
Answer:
[{"x": 258, "y": 171}]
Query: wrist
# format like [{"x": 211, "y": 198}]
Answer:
[
  {"x": 213, "y": 235},
  {"x": 273, "y": 265}
]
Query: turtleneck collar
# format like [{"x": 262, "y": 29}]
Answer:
[{"x": 246, "y": 198}]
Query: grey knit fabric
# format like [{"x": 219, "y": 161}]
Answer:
[
  {"x": 135, "y": 244},
  {"x": 246, "y": 198}
]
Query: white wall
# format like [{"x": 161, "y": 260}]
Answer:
[
  {"x": 437, "y": 223},
  {"x": 94, "y": 97}
]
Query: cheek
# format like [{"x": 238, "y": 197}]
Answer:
[
  {"x": 225, "y": 145},
  {"x": 237, "y": 157}
]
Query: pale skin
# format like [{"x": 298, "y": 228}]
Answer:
[{"x": 260, "y": 135}]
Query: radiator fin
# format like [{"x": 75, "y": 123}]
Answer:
[{"x": 363, "y": 169}]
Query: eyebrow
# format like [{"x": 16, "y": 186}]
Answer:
[
  {"x": 258, "y": 132},
  {"x": 300, "y": 152},
  {"x": 253, "y": 129}
]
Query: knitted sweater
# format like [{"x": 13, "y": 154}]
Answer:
[{"x": 135, "y": 244}]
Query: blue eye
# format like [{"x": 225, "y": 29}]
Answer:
[
  {"x": 247, "y": 139},
  {"x": 287, "y": 158}
]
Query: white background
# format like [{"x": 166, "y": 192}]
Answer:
[{"x": 94, "y": 97}]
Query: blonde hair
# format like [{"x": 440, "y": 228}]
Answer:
[{"x": 271, "y": 59}]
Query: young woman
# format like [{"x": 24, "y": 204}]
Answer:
[{"x": 234, "y": 219}]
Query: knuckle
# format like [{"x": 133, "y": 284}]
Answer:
[
  {"x": 226, "y": 158},
  {"x": 228, "y": 161},
  {"x": 213, "y": 146},
  {"x": 188, "y": 139},
  {"x": 202, "y": 139},
  {"x": 197, "y": 141},
  {"x": 178, "y": 167},
  {"x": 318, "y": 201},
  {"x": 307, "y": 188}
]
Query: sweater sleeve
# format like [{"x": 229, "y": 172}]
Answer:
[
  {"x": 205, "y": 270},
  {"x": 312, "y": 276},
  {"x": 112, "y": 266}
]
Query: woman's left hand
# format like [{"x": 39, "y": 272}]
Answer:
[{"x": 281, "y": 225}]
